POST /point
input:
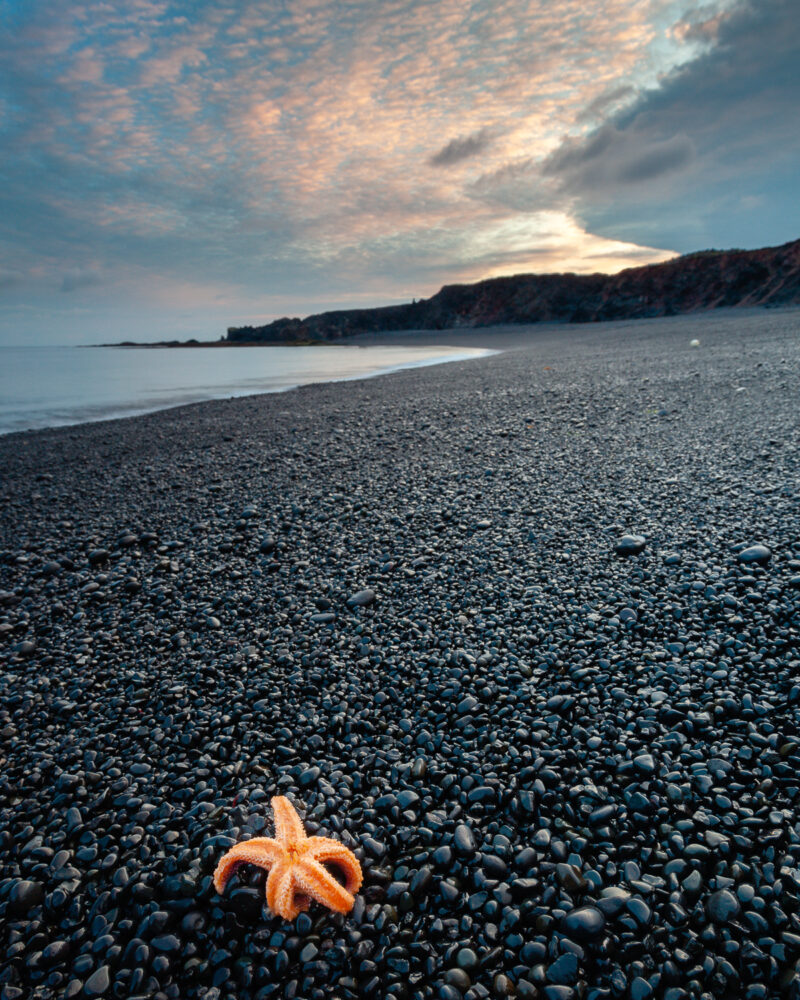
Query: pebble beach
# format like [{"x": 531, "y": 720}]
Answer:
[{"x": 521, "y": 632}]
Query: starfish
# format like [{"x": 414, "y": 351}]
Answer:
[{"x": 295, "y": 864}]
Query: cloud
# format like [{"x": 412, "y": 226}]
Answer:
[
  {"x": 517, "y": 186},
  {"x": 661, "y": 158},
  {"x": 174, "y": 154},
  {"x": 701, "y": 25},
  {"x": 708, "y": 156},
  {"x": 274, "y": 150},
  {"x": 168, "y": 65},
  {"x": 548, "y": 241},
  {"x": 609, "y": 100},
  {"x": 79, "y": 278},
  {"x": 461, "y": 148},
  {"x": 612, "y": 159},
  {"x": 8, "y": 279}
]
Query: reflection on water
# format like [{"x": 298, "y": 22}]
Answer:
[{"x": 53, "y": 386}]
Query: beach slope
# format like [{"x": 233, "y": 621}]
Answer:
[{"x": 407, "y": 604}]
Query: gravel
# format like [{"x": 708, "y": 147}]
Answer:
[{"x": 568, "y": 771}]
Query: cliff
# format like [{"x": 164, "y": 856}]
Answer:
[{"x": 699, "y": 281}]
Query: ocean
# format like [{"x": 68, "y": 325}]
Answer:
[{"x": 57, "y": 386}]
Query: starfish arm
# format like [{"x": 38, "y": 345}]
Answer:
[
  {"x": 288, "y": 825},
  {"x": 324, "y": 850},
  {"x": 262, "y": 851},
  {"x": 284, "y": 896},
  {"x": 312, "y": 880}
]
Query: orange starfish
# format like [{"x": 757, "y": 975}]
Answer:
[{"x": 295, "y": 864}]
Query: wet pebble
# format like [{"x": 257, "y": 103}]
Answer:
[
  {"x": 361, "y": 599},
  {"x": 584, "y": 923},
  {"x": 26, "y": 896},
  {"x": 630, "y": 545},
  {"x": 759, "y": 554},
  {"x": 722, "y": 906},
  {"x": 97, "y": 985}
]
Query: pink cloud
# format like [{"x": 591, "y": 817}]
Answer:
[
  {"x": 167, "y": 66},
  {"x": 322, "y": 127}
]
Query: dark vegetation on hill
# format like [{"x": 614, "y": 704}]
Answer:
[{"x": 710, "y": 279}]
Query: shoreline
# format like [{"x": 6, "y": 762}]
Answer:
[
  {"x": 511, "y": 337},
  {"x": 233, "y": 390},
  {"x": 174, "y": 344},
  {"x": 404, "y": 604}
]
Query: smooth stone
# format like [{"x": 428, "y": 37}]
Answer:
[
  {"x": 570, "y": 877},
  {"x": 55, "y": 953},
  {"x": 407, "y": 798},
  {"x": 641, "y": 989},
  {"x": 421, "y": 881},
  {"x": 722, "y": 906},
  {"x": 442, "y": 857},
  {"x": 564, "y": 971},
  {"x": 502, "y": 986},
  {"x": 541, "y": 839},
  {"x": 450, "y": 893},
  {"x": 755, "y": 554},
  {"x": 613, "y": 900},
  {"x": 494, "y": 867},
  {"x": 639, "y": 910},
  {"x": 464, "y": 839},
  {"x": 601, "y": 815},
  {"x": 309, "y": 776},
  {"x": 74, "y": 819},
  {"x": 361, "y": 599},
  {"x": 630, "y": 545},
  {"x": 584, "y": 923},
  {"x": 458, "y": 978},
  {"x": 98, "y": 983},
  {"x": 466, "y": 959},
  {"x": 484, "y": 793},
  {"x": 693, "y": 883},
  {"x": 309, "y": 953},
  {"x": 168, "y": 943},
  {"x": 26, "y": 896}
]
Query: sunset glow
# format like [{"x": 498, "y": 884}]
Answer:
[{"x": 174, "y": 168}]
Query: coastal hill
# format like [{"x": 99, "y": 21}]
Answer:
[{"x": 709, "y": 279}]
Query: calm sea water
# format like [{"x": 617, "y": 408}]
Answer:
[{"x": 53, "y": 386}]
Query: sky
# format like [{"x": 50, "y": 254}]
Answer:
[{"x": 169, "y": 168}]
